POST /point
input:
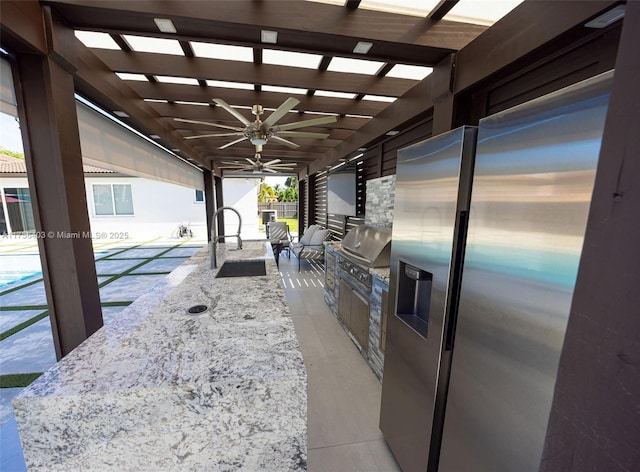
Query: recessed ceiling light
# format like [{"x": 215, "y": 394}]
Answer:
[
  {"x": 155, "y": 136},
  {"x": 128, "y": 76},
  {"x": 362, "y": 149},
  {"x": 165, "y": 25},
  {"x": 607, "y": 18},
  {"x": 121, "y": 114},
  {"x": 393, "y": 132},
  {"x": 362, "y": 47},
  {"x": 270, "y": 37}
]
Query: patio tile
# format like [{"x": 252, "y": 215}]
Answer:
[
  {"x": 31, "y": 295},
  {"x": 116, "y": 266},
  {"x": 182, "y": 251},
  {"x": 160, "y": 265},
  {"x": 142, "y": 252},
  {"x": 128, "y": 288},
  {"x": 6, "y": 410},
  {"x": 9, "y": 319},
  {"x": 30, "y": 350}
]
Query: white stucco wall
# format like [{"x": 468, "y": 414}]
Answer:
[
  {"x": 158, "y": 208},
  {"x": 241, "y": 194}
]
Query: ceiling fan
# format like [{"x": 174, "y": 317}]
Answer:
[
  {"x": 260, "y": 132},
  {"x": 257, "y": 166}
]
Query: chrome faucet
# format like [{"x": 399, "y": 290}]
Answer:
[{"x": 213, "y": 244}]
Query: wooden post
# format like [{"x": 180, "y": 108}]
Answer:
[
  {"x": 209, "y": 202},
  {"x": 442, "y": 95},
  {"x": 219, "y": 204},
  {"x": 47, "y": 111}
]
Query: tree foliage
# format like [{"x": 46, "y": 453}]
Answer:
[
  {"x": 267, "y": 194},
  {"x": 277, "y": 193},
  {"x": 7, "y": 152}
]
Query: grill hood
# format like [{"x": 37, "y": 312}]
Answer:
[{"x": 368, "y": 245}]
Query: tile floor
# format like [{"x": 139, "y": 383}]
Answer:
[{"x": 344, "y": 394}]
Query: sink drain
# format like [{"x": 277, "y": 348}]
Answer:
[{"x": 197, "y": 309}]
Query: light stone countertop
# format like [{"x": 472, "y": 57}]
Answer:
[
  {"x": 160, "y": 389},
  {"x": 382, "y": 273}
]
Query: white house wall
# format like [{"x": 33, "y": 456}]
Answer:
[
  {"x": 241, "y": 194},
  {"x": 158, "y": 209}
]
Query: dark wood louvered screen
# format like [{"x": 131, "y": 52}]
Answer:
[{"x": 320, "y": 204}]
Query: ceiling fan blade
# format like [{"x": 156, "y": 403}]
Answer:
[
  {"x": 270, "y": 170},
  {"x": 282, "y": 110},
  {"x": 233, "y": 142},
  {"x": 212, "y": 135},
  {"x": 195, "y": 122},
  {"x": 233, "y": 111},
  {"x": 275, "y": 161},
  {"x": 277, "y": 166},
  {"x": 284, "y": 141},
  {"x": 303, "y": 134},
  {"x": 323, "y": 120},
  {"x": 249, "y": 161},
  {"x": 234, "y": 163}
]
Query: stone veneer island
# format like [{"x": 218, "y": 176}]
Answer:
[{"x": 159, "y": 389}]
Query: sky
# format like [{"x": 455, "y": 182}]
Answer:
[
  {"x": 10, "y": 137},
  {"x": 275, "y": 180}
]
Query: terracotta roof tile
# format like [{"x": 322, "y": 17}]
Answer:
[{"x": 12, "y": 165}]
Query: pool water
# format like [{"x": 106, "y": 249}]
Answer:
[{"x": 18, "y": 267}]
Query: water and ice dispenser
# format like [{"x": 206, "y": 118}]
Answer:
[{"x": 414, "y": 297}]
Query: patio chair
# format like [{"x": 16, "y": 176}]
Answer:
[
  {"x": 279, "y": 234},
  {"x": 310, "y": 246}
]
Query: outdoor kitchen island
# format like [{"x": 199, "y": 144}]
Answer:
[{"x": 161, "y": 389}]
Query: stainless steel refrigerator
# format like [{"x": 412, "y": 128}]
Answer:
[
  {"x": 480, "y": 385},
  {"x": 431, "y": 205}
]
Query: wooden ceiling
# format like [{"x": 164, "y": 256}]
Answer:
[{"x": 327, "y": 30}]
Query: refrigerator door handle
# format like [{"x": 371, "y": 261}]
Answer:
[{"x": 463, "y": 221}]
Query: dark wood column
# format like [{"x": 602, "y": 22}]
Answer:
[
  {"x": 219, "y": 203},
  {"x": 594, "y": 422},
  {"x": 302, "y": 205},
  {"x": 311, "y": 201},
  {"x": 54, "y": 169},
  {"x": 442, "y": 93},
  {"x": 209, "y": 199}
]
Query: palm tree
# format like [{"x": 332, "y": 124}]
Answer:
[{"x": 267, "y": 194}]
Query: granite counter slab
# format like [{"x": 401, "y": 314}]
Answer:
[{"x": 164, "y": 390}]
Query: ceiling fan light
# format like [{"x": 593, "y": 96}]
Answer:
[
  {"x": 258, "y": 140},
  {"x": 362, "y": 47},
  {"x": 270, "y": 37}
]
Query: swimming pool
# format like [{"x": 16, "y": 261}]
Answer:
[{"x": 15, "y": 268}]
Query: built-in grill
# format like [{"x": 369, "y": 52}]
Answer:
[{"x": 363, "y": 248}]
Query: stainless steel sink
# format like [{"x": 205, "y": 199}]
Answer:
[{"x": 242, "y": 269}]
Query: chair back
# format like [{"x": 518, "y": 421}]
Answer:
[
  {"x": 308, "y": 234},
  {"x": 279, "y": 231}
]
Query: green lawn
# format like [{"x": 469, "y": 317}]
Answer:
[{"x": 292, "y": 222}]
